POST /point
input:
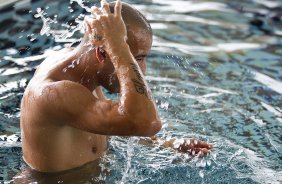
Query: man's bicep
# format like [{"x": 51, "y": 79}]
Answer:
[
  {"x": 103, "y": 117},
  {"x": 72, "y": 104},
  {"x": 64, "y": 101}
]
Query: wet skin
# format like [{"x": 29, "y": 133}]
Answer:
[{"x": 65, "y": 119}]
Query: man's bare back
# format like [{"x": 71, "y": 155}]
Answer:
[{"x": 64, "y": 125}]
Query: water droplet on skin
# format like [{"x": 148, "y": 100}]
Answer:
[
  {"x": 176, "y": 144},
  {"x": 188, "y": 142},
  {"x": 111, "y": 79},
  {"x": 121, "y": 105},
  {"x": 123, "y": 70},
  {"x": 89, "y": 138},
  {"x": 181, "y": 141}
]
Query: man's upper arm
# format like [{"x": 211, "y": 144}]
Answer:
[{"x": 72, "y": 104}]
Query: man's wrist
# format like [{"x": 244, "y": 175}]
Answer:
[
  {"x": 118, "y": 48},
  {"x": 120, "y": 55}
]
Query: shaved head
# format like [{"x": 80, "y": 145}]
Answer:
[
  {"x": 139, "y": 40},
  {"x": 133, "y": 18}
]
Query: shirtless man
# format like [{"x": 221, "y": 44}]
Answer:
[{"x": 64, "y": 125}]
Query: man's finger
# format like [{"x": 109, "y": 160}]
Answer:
[
  {"x": 204, "y": 151},
  {"x": 88, "y": 23},
  {"x": 118, "y": 8},
  {"x": 87, "y": 27},
  {"x": 96, "y": 12},
  {"x": 202, "y": 144},
  {"x": 105, "y": 7}
]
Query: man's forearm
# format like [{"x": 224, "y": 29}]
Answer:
[{"x": 133, "y": 86}]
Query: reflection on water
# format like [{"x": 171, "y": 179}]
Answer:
[{"x": 215, "y": 71}]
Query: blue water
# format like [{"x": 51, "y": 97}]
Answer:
[{"x": 216, "y": 74}]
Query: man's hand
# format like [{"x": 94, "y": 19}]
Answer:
[
  {"x": 106, "y": 29},
  {"x": 193, "y": 147}
]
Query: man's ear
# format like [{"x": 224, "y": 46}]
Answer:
[{"x": 100, "y": 54}]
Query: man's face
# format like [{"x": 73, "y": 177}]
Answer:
[{"x": 140, "y": 43}]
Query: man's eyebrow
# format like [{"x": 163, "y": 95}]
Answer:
[{"x": 141, "y": 55}]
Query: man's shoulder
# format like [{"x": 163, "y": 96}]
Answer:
[
  {"x": 47, "y": 92},
  {"x": 47, "y": 87},
  {"x": 56, "y": 98}
]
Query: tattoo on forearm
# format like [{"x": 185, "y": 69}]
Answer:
[
  {"x": 140, "y": 88},
  {"x": 135, "y": 69},
  {"x": 139, "y": 84}
]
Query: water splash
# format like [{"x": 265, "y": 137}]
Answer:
[
  {"x": 60, "y": 35},
  {"x": 80, "y": 3},
  {"x": 129, "y": 172},
  {"x": 164, "y": 105},
  {"x": 77, "y": 61}
]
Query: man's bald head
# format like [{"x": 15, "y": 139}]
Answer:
[{"x": 133, "y": 18}]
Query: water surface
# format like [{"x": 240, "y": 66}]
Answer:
[{"x": 215, "y": 71}]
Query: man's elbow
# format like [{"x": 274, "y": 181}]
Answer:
[
  {"x": 152, "y": 129},
  {"x": 156, "y": 127}
]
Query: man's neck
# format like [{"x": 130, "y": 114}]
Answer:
[{"x": 81, "y": 66}]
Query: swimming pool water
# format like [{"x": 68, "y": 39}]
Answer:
[{"x": 216, "y": 74}]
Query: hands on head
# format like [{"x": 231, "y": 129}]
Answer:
[{"x": 105, "y": 29}]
